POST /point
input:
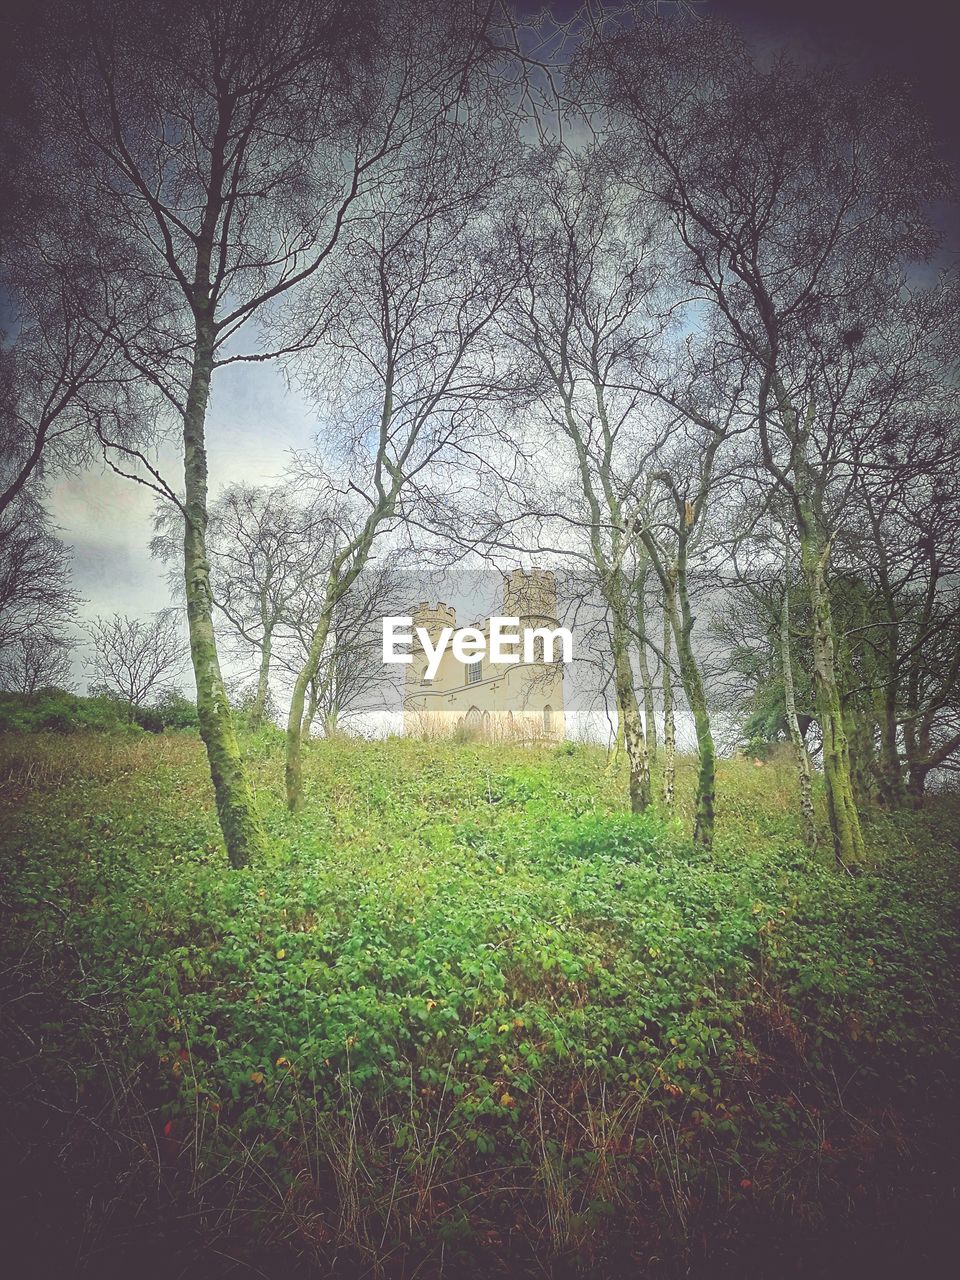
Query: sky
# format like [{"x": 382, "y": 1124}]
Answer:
[
  {"x": 255, "y": 420},
  {"x": 916, "y": 43}
]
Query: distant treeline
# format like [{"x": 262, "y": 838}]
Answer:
[{"x": 57, "y": 711}]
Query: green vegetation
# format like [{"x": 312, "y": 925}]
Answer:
[
  {"x": 58, "y": 711},
  {"x": 466, "y": 1011}
]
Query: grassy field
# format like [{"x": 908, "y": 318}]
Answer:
[{"x": 470, "y": 1019}]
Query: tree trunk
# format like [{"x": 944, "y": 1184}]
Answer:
[
  {"x": 860, "y": 729},
  {"x": 236, "y": 809},
  {"x": 615, "y": 747},
  {"x": 889, "y": 768},
  {"x": 916, "y": 784},
  {"x": 629, "y": 712},
  {"x": 889, "y": 765},
  {"x": 706, "y": 777},
  {"x": 703, "y": 821},
  {"x": 293, "y": 772},
  {"x": 649, "y": 714},
  {"x": 669, "y": 732},
  {"x": 841, "y": 806},
  {"x": 258, "y": 710},
  {"x": 311, "y": 712},
  {"x": 804, "y": 771}
]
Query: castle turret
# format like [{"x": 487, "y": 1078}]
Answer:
[
  {"x": 499, "y": 702},
  {"x": 433, "y": 619},
  {"x": 530, "y": 596}
]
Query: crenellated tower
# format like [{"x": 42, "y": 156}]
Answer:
[
  {"x": 530, "y": 596},
  {"x": 433, "y": 618}
]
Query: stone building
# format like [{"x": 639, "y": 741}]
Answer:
[{"x": 520, "y": 701}]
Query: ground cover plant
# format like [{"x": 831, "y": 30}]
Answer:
[{"x": 467, "y": 1013}]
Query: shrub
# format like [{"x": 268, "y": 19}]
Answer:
[
  {"x": 57, "y": 711},
  {"x": 171, "y": 711}
]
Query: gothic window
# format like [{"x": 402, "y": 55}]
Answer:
[{"x": 548, "y": 719}]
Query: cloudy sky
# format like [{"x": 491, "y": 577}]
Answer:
[{"x": 254, "y": 421}]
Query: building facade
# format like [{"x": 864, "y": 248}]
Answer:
[{"x": 507, "y": 702}]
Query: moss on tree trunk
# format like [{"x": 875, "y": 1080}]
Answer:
[
  {"x": 293, "y": 766},
  {"x": 804, "y": 771},
  {"x": 838, "y": 783},
  {"x": 669, "y": 731},
  {"x": 629, "y": 712},
  {"x": 236, "y": 809}
]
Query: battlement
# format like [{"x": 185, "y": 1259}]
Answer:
[
  {"x": 455, "y": 684},
  {"x": 433, "y": 618},
  {"x": 530, "y": 593}
]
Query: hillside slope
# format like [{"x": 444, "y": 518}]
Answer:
[{"x": 469, "y": 1014}]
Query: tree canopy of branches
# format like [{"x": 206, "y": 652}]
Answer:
[
  {"x": 228, "y": 146},
  {"x": 631, "y": 296},
  {"x": 795, "y": 199},
  {"x": 37, "y": 601},
  {"x": 137, "y": 660}
]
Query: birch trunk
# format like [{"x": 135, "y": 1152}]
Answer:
[
  {"x": 629, "y": 713},
  {"x": 311, "y": 712},
  {"x": 649, "y": 714},
  {"x": 676, "y": 603},
  {"x": 841, "y": 806},
  {"x": 236, "y": 809},
  {"x": 669, "y": 732},
  {"x": 703, "y": 821},
  {"x": 293, "y": 769},
  {"x": 258, "y": 710},
  {"x": 804, "y": 772}
]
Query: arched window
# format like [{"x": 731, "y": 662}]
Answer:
[
  {"x": 548, "y": 719},
  {"x": 473, "y": 720},
  {"x": 486, "y": 724}
]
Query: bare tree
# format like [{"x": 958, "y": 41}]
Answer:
[
  {"x": 134, "y": 659},
  {"x": 60, "y": 383},
  {"x": 687, "y": 482},
  {"x": 585, "y": 323},
  {"x": 901, "y": 544},
  {"x": 267, "y": 552},
  {"x": 67, "y": 291},
  {"x": 36, "y": 598},
  {"x": 36, "y": 660},
  {"x": 406, "y": 365},
  {"x": 230, "y": 144},
  {"x": 793, "y": 198},
  {"x": 351, "y": 679},
  {"x": 763, "y": 638}
]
